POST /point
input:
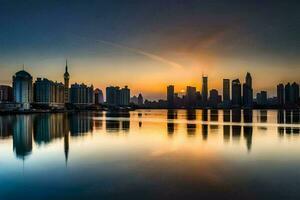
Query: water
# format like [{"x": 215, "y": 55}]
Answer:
[{"x": 151, "y": 154}]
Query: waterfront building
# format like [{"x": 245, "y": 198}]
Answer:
[
  {"x": 81, "y": 94},
  {"x": 140, "y": 100},
  {"x": 191, "y": 98},
  {"x": 204, "y": 90},
  {"x": 280, "y": 94},
  {"x": 6, "y": 93},
  {"x": 226, "y": 92},
  {"x": 213, "y": 98},
  {"x": 134, "y": 100},
  {"x": 49, "y": 93},
  {"x": 125, "y": 96},
  {"x": 236, "y": 93},
  {"x": 287, "y": 94},
  {"x": 294, "y": 93},
  {"x": 66, "y": 84},
  {"x": 22, "y": 89},
  {"x": 170, "y": 96},
  {"x": 98, "y": 96},
  {"x": 248, "y": 91},
  {"x": 262, "y": 98}
]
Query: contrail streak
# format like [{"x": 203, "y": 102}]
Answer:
[{"x": 144, "y": 53}]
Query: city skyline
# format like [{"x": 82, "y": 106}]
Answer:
[{"x": 106, "y": 44}]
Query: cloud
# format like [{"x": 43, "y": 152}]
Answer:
[{"x": 144, "y": 53}]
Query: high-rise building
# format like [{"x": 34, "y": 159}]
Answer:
[
  {"x": 170, "y": 96},
  {"x": 124, "y": 96},
  {"x": 262, "y": 98},
  {"x": 213, "y": 98},
  {"x": 117, "y": 97},
  {"x": 191, "y": 99},
  {"x": 226, "y": 91},
  {"x": 140, "y": 100},
  {"x": 81, "y": 94},
  {"x": 49, "y": 93},
  {"x": 294, "y": 93},
  {"x": 236, "y": 93},
  {"x": 280, "y": 94},
  {"x": 67, "y": 89},
  {"x": 22, "y": 87},
  {"x": 204, "y": 90},
  {"x": 248, "y": 91},
  {"x": 6, "y": 93},
  {"x": 287, "y": 94},
  {"x": 98, "y": 96}
]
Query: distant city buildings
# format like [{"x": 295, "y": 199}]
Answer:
[
  {"x": 226, "y": 92},
  {"x": 22, "y": 89},
  {"x": 236, "y": 93},
  {"x": 49, "y": 93},
  {"x": 117, "y": 97},
  {"x": 204, "y": 90},
  {"x": 248, "y": 92},
  {"x": 262, "y": 98},
  {"x": 170, "y": 96},
  {"x": 6, "y": 93},
  {"x": 81, "y": 94},
  {"x": 66, "y": 88},
  {"x": 98, "y": 96}
]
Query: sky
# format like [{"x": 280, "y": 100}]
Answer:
[{"x": 148, "y": 45}]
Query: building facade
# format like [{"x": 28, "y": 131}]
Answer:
[
  {"x": 98, "y": 96},
  {"x": 204, "y": 90},
  {"x": 22, "y": 89},
  {"x": 49, "y": 93},
  {"x": 66, "y": 84},
  {"x": 6, "y": 93},
  {"x": 248, "y": 91},
  {"x": 236, "y": 93},
  {"x": 170, "y": 96},
  {"x": 81, "y": 94}
]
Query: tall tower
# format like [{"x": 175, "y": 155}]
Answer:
[
  {"x": 204, "y": 90},
  {"x": 67, "y": 78}
]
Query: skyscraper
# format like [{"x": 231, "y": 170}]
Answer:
[
  {"x": 287, "y": 94},
  {"x": 204, "y": 90},
  {"x": 248, "y": 91},
  {"x": 213, "y": 98},
  {"x": 124, "y": 96},
  {"x": 294, "y": 93},
  {"x": 67, "y": 78},
  {"x": 48, "y": 93},
  {"x": 191, "y": 97},
  {"x": 98, "y": 96},
  {"x": 6, "y": 93},
  {"x": 140, "y": 100},
  {"x": 81, "y": 94},
  {"x": 22, "y": 87},
  {"x": 280, "y": 94},
  {"x": 236, "y": 93},
  {"x": 226, "y": 92},
  {"x": 170, "y": 96}
]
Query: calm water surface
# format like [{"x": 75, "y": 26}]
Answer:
[{"x": 151, "y": 154}]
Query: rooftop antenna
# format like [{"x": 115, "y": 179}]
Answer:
[{"x": 23, "y": 67}]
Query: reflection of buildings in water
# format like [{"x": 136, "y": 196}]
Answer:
[
  {"x": 98, "y": 123},
  {"x": 226, "y": 133},
  {"x": 280, "y": 116},
  {"x": 288, "y": 130},
  {"x": 204, "y": 115},
  {"x": 236, "y": 115},
  {"x": 126, "y": 121},
  {"x": 191, "y": 126},
  {"x": 280, "y": 131},
  {"x": 81, "y": 123},
  {"x": 248, "y": 136},
  {"x": 263, "y": 116},
  {"x": 296, "y": 130},
  {"x": 288, "y": 116},
  {"x": 6, "y": 126},
  {"x": 204, "y": 131},
  {"x": 140, "y": 119},
  {"x": 226, "y": 115},
  {"x": 22, "y": 137},
  {"x": 214, "y": 115},
  {"x": 140, "y": 124},
  {"x": 47, "y": 127},
  {"x": 236, "y": 132},
  {"x": 171, "y": 115},
  {"x": 113, "y": 122},
  {"x": 248, "y": 115}
]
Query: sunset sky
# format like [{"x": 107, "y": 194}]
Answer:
[{"x": 150, "y": 44}]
